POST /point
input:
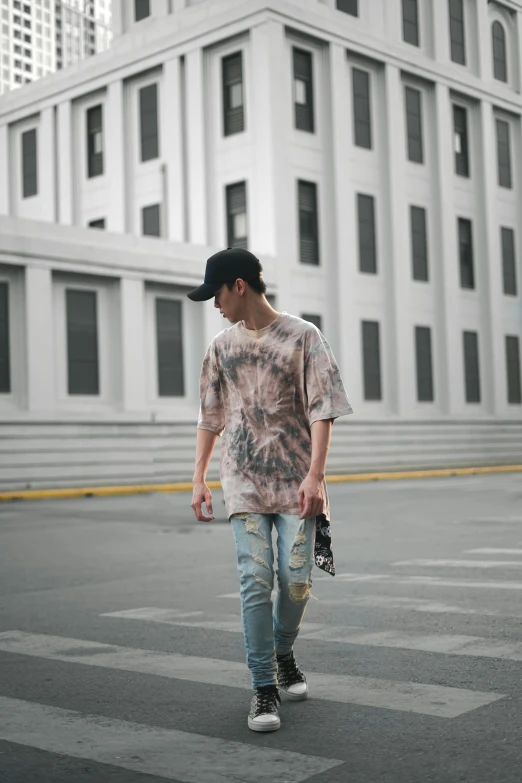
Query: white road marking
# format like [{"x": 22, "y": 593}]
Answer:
[
  {"x": 434, "y": 581},
  {"x": 493, "y": 551},
  {"x": 166, "y": 753},
  {"x": 407, "y": 604},
  {"x": 436, "y": 700},
  {"x": 428, "y": 563}
]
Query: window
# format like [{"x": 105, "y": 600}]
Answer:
[
  {"x": 371, "y": 360},
  {"x": 514, "y": 384},
  {"x": 29, "y": 164},
  {"x": 367, "y": 243},
  {"x": 237, "y": 232},
  {"x": 471, "y": 367},
  {"x": 316, "y": 320},
  {"x": 94, "y": 142},
  {"x": 424, "y": 364},
  {"x": 509, "y": 270},
  {"x": 99, "y": 223},
  {"x": 303, "y": 91},
  {"x": 410, "y": 22},
  {"x": 349, "y": 7},
  {"x": 499, "y": 52},
  {"x": 141, "y": 9},
  {"x": 503, "y": 154},
  {"x": 149, "y": 122},
  {"x": 361, "y": 108},
  {"x": 308, "y": 223},
  {"x": 233, "y": 97},
  {"x": 151, "y": 221},
  {"x": 460, "y": 127},
  {"x": 171, "y": 382},
  {"x": 82, "y": 342},
  {"x": 467, "y": 275},
  {"x": 419, "y": 244},
  {"x": 414, "y": 125},
  {"x": 5, "y": 362},
  {"x": 457, "y": 33}
]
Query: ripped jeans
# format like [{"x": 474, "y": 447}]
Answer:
[{"x": 268, "y": 631}]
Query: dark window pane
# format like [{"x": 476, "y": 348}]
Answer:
[
  {"x": 5, "y": 359},
  {"x": 514, "y": 383},
  {"x": 471, "y": 367},
  {"x": 29, "y": 164},
  {"x": 237, "y": 231},
  {"x": 151, "y": 221},
  {"x": 503, "y": 154},
  {"x": 419, "y": 243},
  {"x": 410, "y": 22},
  {"x": 349, "y": 7},
  {"x": 303, "y": 91},
  {"x": 509, "y": 265},
  {"x": 141, "y": 9},
  {"x": 460, "y": 126},
  {"x": 100, "y": 223},
  {"x": 367, "y": 243},
  {"x": 149, "y": 122},
  {"x": 467, "y": 275},
  {"x": 233, "y": 94},
  {"x": 424, "y": 364},
  {"x": 171, "y": 381},
  {"x": 308, "y": 223},
  {"x": 414, "y": 125},
  {"x": 82, "y": 342},
  {"x": 361, "y": 108},
  {"x": 499, "y": 52},
  {"x": 371, "y": 360},
  {"x": 316, "y": 320},
  {"x": 457, "y": 33},
  {"x": 94, "y": 142}
]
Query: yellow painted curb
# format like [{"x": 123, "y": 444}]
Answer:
[{"x": 45, "y": 494}]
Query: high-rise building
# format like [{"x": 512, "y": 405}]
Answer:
[{"x": 38, "y": 37}]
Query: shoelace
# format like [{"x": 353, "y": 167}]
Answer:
[
  {"x": 266, "y": 700},
  {"x": 289, "y": 672}
]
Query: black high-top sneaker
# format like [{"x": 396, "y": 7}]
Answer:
[
  {"x": 290, "y": 678},
  {"x": 263, "y": 710}
]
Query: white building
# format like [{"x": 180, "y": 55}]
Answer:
[
  {"x": 368, "y": 151},
  {"x": 38, "y": 37}
]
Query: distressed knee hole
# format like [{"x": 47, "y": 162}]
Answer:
[
  {"x": 260, "y": 561},
  {"x": 300, "y": 539},
  {"x": 297, "y": 560},
  {"x": 262, "y": 582},
  {"x": 299, "y": 592}
]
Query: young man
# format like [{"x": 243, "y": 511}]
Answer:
[{"x": 271, "y": 384}]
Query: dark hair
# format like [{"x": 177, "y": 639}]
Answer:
[{"x": 256, "y": 284}]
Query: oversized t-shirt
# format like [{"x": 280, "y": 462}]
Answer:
[{"x": 263, "y": 390}]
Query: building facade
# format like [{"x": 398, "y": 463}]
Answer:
[
  {"x": 38, "y": 37},
  {"x": 369, "y": 151}
]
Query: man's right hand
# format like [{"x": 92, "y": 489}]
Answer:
[{"x": 201, "y": 494}]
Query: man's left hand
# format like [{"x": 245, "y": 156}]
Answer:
[{"x": 311, "y": 497}]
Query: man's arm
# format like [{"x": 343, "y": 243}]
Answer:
[
  {"x": 311, "y": 498},
  {"x": 206, "y": 441}
]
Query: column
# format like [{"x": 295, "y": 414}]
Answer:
[
  {"x": 39, "y": 309},
  {"x": 195, "y": 125},
  {"x": 4, "y": 166},
  {"x": 172, "y": 150},
  {"x": 449, "y": 378},
  {"x": 117, "y": 17},
  {"x": 116, "y": 154},
  {"x": 440, "y": 31},
  {"x": 133, "y": 351},
  {"x": 489, "y": 271},
  {"x": 160, "y": 7},
  {"x": 47, "y": 165},
  {"x": 393, "y": 20},
  {"x": 485, "y": 43},
  {"x": 66, "y": 193}
]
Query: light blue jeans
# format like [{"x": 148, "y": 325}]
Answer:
[{"x": 272, "y": 629}]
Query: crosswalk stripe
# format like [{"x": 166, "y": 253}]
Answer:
[
  {"x": 429, "y": 581},
  {"x": 166, "y": 753},
  {"x": 428, "y": 563},
  {"x": 493, "y": 551},
  {"x": 436, "y": 700}
]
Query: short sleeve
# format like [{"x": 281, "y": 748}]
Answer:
[
  {"x": 326, "y": 395},
  {"x": 211, "y": 410}
]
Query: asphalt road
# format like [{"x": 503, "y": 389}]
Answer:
[{"x": 122, "y": 660}]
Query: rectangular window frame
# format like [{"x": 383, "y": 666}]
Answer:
[
  {"x": 150, "y": 218},
  {"x": 466, "y": 255},
  {"x": 5, "y": 338},
  {"x": 419, "y": 243},
  {"x": 504, "y": 163},
  {"x": 350, "y": 7},
  {"x": 457, "y": 31},
  {"x": 410, "y": 22},
  {"x": 168, "y": 359},
  {"x": 75, "y": 389},
  {"x": 513, "y": 372},
  {"x": 29, "y": 153},
  {"x": 471, "y": 348},
  {"x": 461, "y": 132},
  {"x": 371, "y": 360},
  {"x": 362, "y": 114},
  {"x": 367, "y": 234},
  {"x": 424, "y": 364},
  {"x": 94, "y": 123},
  {"x": 509, "y": 261},
  {"x": 232, "y": 76},
  {"x": 141, "y": 10},
  {"x": 236, "y": 201},
  {"x": 303, "y": 71},
  {"x": 308, "y": 221},
  {"x": 148, "y": 110},
  {"x": 414, "y": 124}
]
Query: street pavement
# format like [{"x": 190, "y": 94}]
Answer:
[{"x": 122, "y": 659}]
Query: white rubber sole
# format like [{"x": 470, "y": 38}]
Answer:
[
  {"x": 294, "y": 696},
  {"x": 264, "y": 726}
]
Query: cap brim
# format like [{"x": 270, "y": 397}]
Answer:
[{"x": 204, "y": 292}]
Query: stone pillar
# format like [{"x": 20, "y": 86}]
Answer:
[
  {"x": 441, "y": 31},
  {"x": 117, "y": 17},
  {"x": 172, "y": 150},
  {"x": 195, "y": 125},
  {"x": 115, "y": 157},
  {"x": 132, "y": 324},
  {"x": 66, "y": 191},
  {"x": 5, "y": 179},
  {"x": 39, "y": 309},
  {"x": 485, "y": 43},
  {"x": 47, "y": 165}
]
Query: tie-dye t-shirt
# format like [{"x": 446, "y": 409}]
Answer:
[{"x": 264, "y": 389}]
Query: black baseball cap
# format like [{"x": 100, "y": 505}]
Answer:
[{"x": 226, "y": 266}]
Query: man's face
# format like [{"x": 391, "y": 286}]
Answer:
[{"x": 229, "y": 303}]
